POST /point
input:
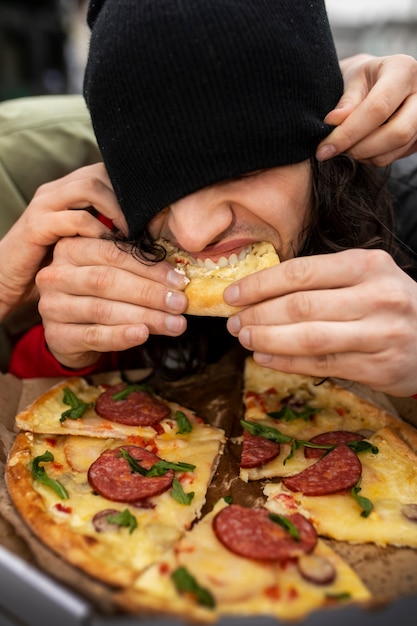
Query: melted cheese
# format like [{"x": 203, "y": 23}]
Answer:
[
  {"x": 240, "y": 586},
  {"x": 157, "y": 529},
  {"x": 389, "y": 481},
  {"x": 43, "y": 416}
]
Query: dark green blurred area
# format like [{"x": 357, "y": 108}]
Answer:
[{"x": 33, "y": 44}]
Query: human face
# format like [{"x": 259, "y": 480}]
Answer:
[{"x": 222, "y": 219}]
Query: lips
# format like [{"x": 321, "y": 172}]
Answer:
[{"x": 184, "y": 258}]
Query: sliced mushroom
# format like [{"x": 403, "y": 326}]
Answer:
[
  {"x": 316, "y": 569},
  {"x": 410, "y": 512},
  {"x": 366, "y": 432},
  {"x": 101, "y": 523}
]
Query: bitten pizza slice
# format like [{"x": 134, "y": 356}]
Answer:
[
  {"x": 119, "y": 411},
  {"x": 110, "y": 507},
  {"x": 371, "y": 500},
  {"x": 286, "y": 413},
  {"x": 242, "y": 562}
]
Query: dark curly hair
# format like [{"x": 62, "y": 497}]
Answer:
[{"x": 351, "y": 208}]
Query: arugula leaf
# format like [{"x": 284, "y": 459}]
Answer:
[
  {"x": 184, "y": 424},
  {"x": 123, "y": 393},
  {"x": 362, "y": 446},
  {"x": 158, "y": 469},
  {"x": 273, "y": 434},
  {"x": 186, "y": 583},
  {"x": 161, "y": 467},
  {"x": 363, "y": 502},
  {"x": 289, "y": 414},
  {"x": 133, "y": 463},
  {"x": 342, "y": 595},
  {"x": 78, "y": 407},
  {"x": 178, "y": 493},
  {"x": 124, "y": 518},
  {"x": 285, "y": 523},
  {"x": 39, "y": 474}
]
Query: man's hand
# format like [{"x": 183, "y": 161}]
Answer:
[
  {"x": 96, "y": 297},
  {"x": 351, "y": 315},
  {"x": 57, "y": 210},
  {"x": 376, "y": 118}
]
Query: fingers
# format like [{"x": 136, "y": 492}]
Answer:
[
  {"x": 82, "y": 252},
  {"x": 85, "y": 188},
  {"x": 79, "y": 345},
  {"x": 96, "y": 297},
  {"x": 304, "y": 274},
  {"x": 376, "y": 117},
  {"x": 353, "y": 316},
  {"x": 115, "y": 309}
]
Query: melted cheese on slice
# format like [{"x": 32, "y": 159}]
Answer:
[
  {"x": 389, "y": 481},
  {"x": 339, "y": 409},
  {"x": 44, "y": 414},
  {"x": 158, "y": 528},
  {"x": 240, "y": 586}
]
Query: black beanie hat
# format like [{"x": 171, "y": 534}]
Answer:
[{"x": 187, "y": 93}]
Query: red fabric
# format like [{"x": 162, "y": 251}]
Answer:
[{"x": 32, "y": 359}]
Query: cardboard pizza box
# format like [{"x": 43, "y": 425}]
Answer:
[{"x": 37, "y": 587}]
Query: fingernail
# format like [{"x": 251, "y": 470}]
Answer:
[
  {"x": 233, "y": 324},
  {"x": 176, "y": 301},
  {"x": 325, "y": 152},
  {"x": 245, "y": 338},
  {"x": 177, "y": 279},
  {"x": 174, "y": 323},
  {"x": 232, "y": 293},
  {"x": 263, "y": 359}
]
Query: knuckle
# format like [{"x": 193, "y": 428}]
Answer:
[
  {"x": 323, "y": 362},
  {"x": 101, "y": 279},
  {"x": 380, "y": 108},
  {"x": 92, "y": 336},
  {"x": 381, "y": 160},
  {"x": 314, "y": 342},
  {"x": 299, "y": 306},
  {"x": 370, "y": 261},
  {"x": 63, "y": 249},
  {"x": 298, "y": 272},
  {"x": 100, "y": 311}
]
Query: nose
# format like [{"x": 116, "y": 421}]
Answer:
[{"x": 199, "y": 219}]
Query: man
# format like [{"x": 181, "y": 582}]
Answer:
[{"x": 320, "y": 315}]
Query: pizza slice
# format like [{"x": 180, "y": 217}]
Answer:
[
  {"x": 120, "y": 411},
  {"x": 242, "y": 561},
  {"x": 375, "y": 502},
  {"x": 108, "y": 506},
  {"x": 286, "y": 413}
]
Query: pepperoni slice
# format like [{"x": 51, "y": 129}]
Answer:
[
  {"x": 332, "y": 438},
  {"x": 112, "y": 477},
  {"x": 252, "y": 534},
  {"x": 139, "y": 408},
  {"x": 339, "y": 469},
  {"x": 257, "y": 450}
]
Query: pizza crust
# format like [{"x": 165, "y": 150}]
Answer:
[
  {"x": 82, "y": 551},
  {"x": 206, "y": 287}
]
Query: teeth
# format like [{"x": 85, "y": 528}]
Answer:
[
  {"x": 223, "y": 261},
  {"x": 210, "y": 265}
]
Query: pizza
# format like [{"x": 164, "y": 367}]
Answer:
[
  {"x": 207, "y": 281},
  {"x": 119, "y": 481},
  {"x": 345, "y": 463}
]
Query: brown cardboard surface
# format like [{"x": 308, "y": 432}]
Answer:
[{"x": 216, "y": 395}]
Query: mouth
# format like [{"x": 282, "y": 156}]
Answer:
[{"x": 210, "y": 263}]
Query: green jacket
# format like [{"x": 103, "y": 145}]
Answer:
[{"x": 41, "y": 139}]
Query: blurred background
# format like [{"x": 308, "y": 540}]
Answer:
[{"x": 43, "y": 43}]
